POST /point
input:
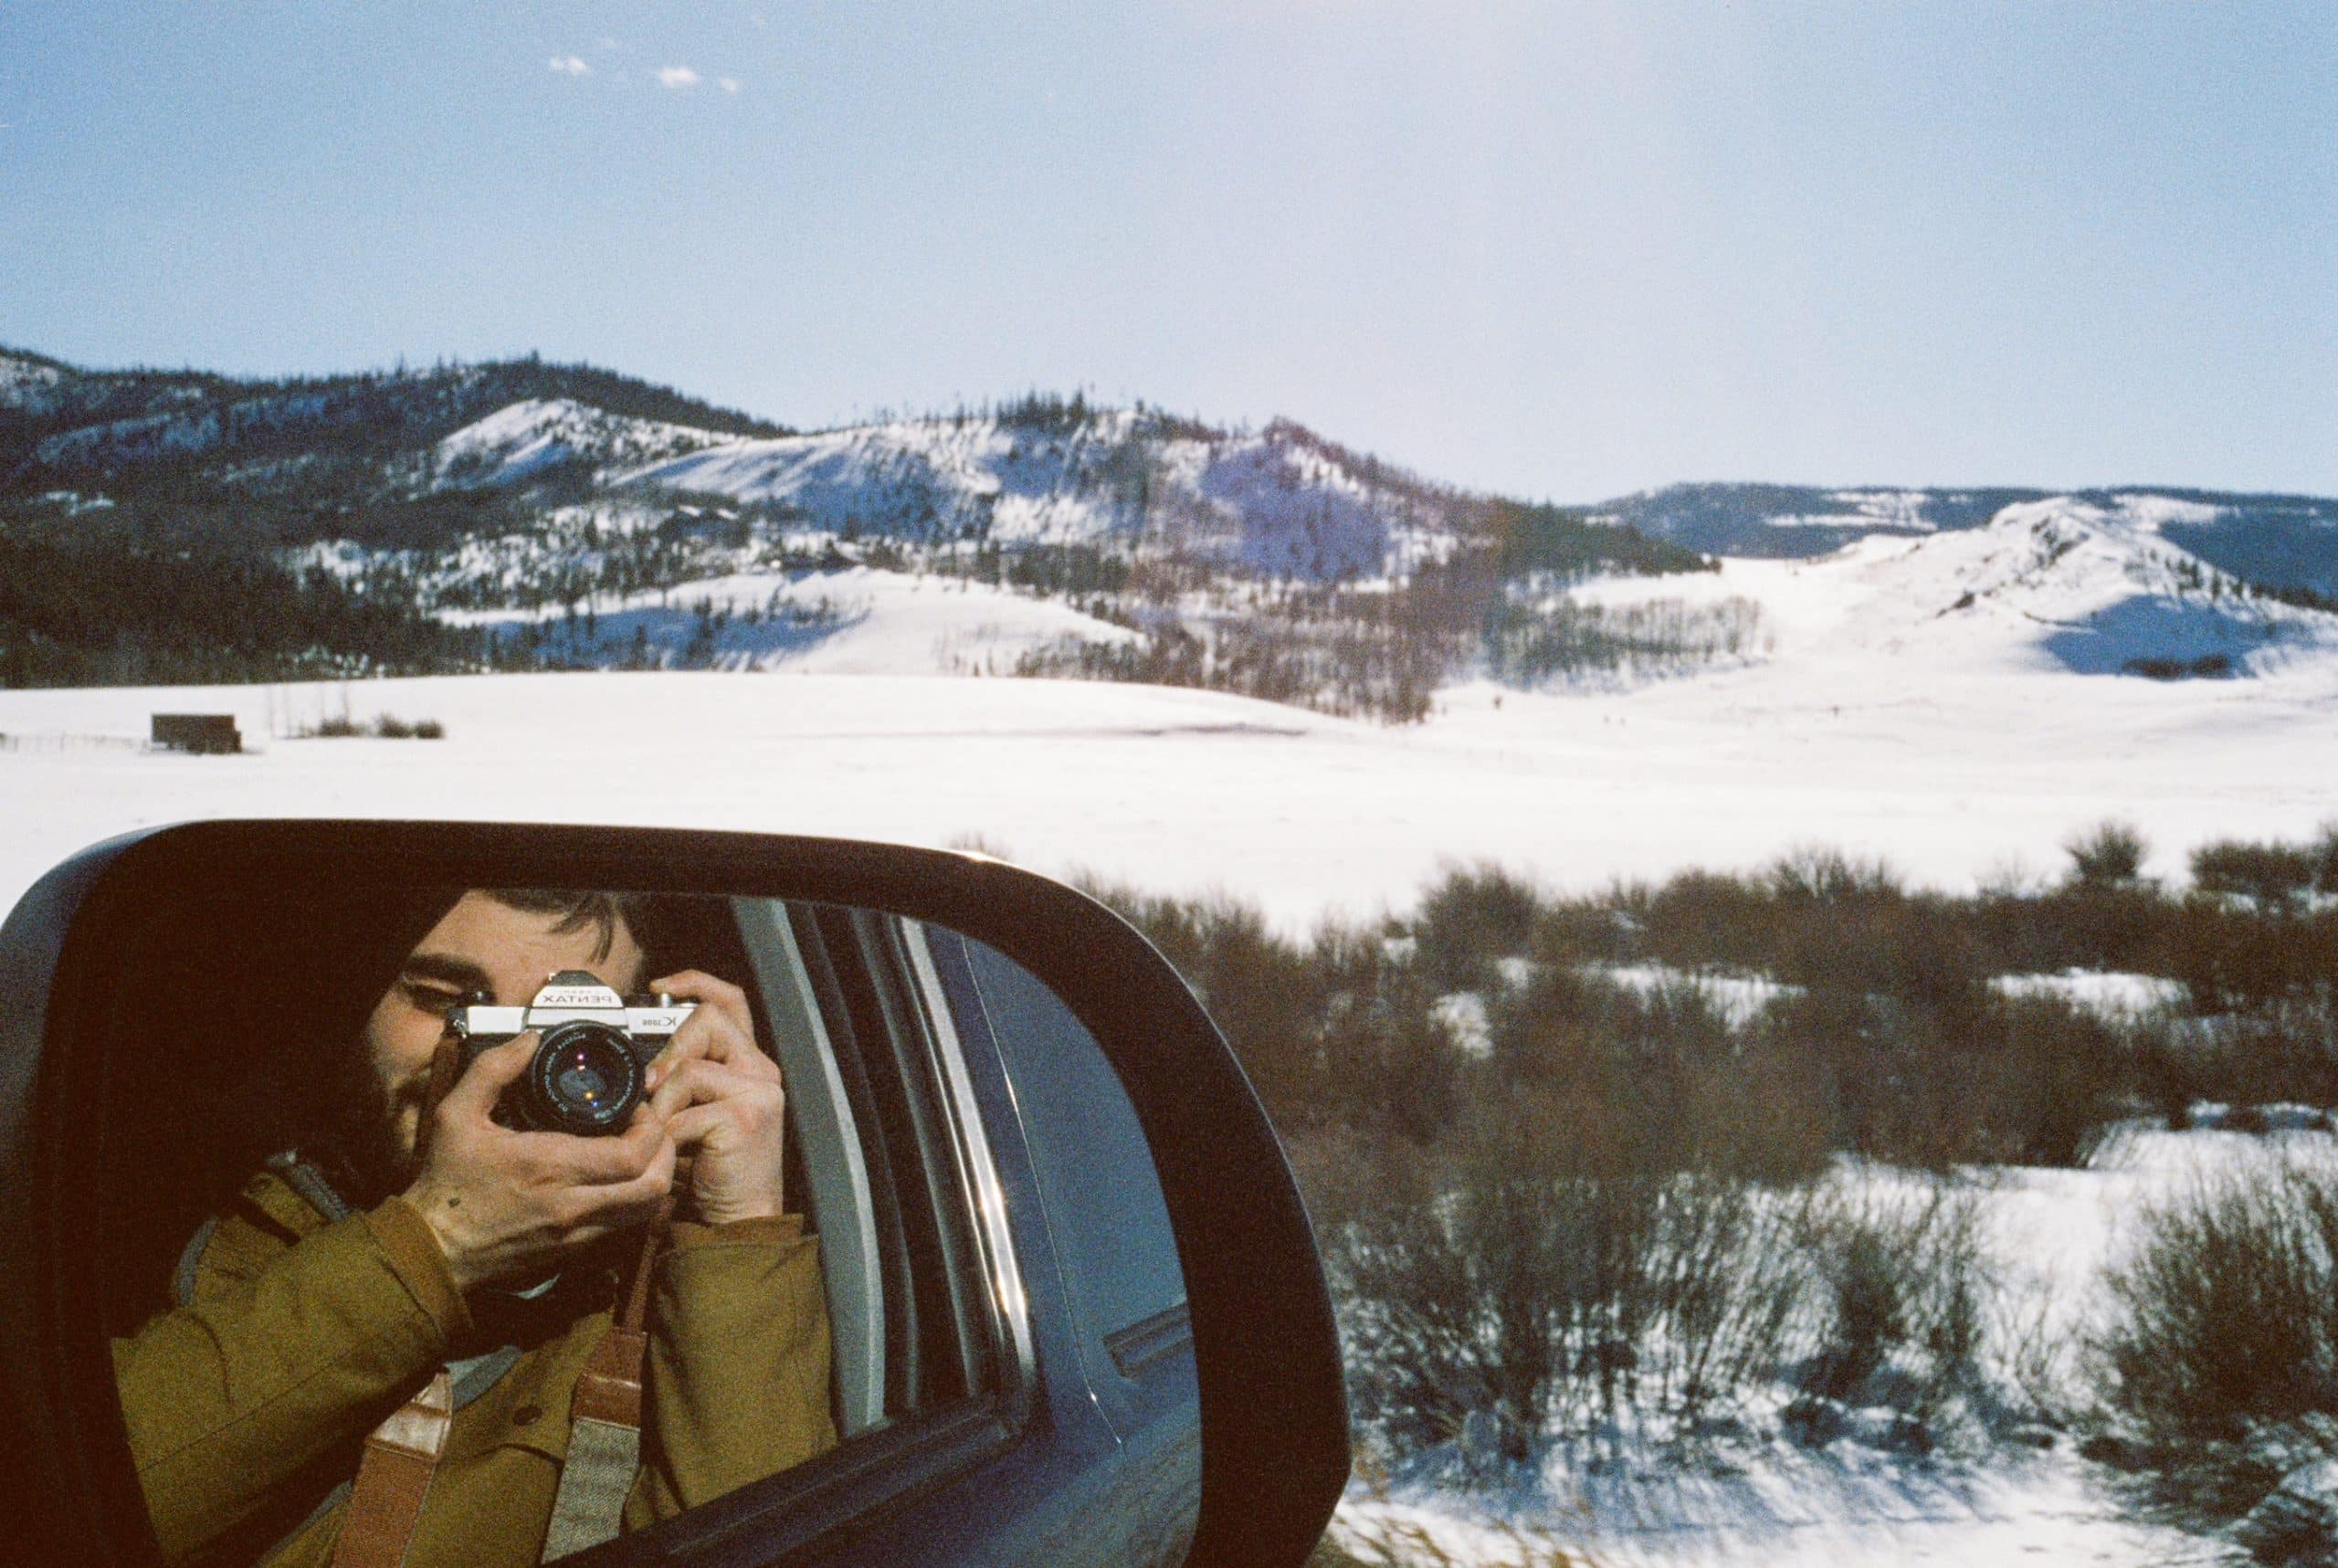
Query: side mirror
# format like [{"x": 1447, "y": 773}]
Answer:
[{"x": 1073, "y": 1306}]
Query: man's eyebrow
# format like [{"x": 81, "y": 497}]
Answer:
[{"x": 459, "y": 973}]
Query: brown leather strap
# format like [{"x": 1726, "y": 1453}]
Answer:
[
  {"x": 392, "y": 1478},
  {"x": 402, "y": 1455},
  {"x": 610, "y": 1386}
]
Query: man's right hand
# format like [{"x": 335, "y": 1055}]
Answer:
[{"x": 505, "y": 1203}]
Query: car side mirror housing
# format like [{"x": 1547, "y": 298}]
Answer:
[{"x": 1049, "y": 1018}]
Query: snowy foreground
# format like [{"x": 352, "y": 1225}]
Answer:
[{"x": 1847, "y": 1504}]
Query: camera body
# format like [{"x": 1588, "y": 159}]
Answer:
[{"x": 589, "y": 1073}]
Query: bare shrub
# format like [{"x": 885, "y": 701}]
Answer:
[
  {"x": 2325, "y": 859},
  {"x": 1702, "y": 919},
  {"x": 1263, "y": 990},
  {"x": 1469, "y": 918},
  {"x": 2272, "y": 876},
  {"x": 2109, "y": 854},
  {"x": 2056, "y": 1074},
  {"x": 2223, "y": 1311},
  {"x": 1820, "y": 873},
  {"x": 1546, "y": 1270},
  {"x": 2238, "y": 958},
  {"x": 1899, "y": 1287},
  {"x": 2219, "y": 1355}
]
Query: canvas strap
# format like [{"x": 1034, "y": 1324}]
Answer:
[{"x": 605, "y": 1413}]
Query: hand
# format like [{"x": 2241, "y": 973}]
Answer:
[
  {"x": 722, "y": 1099},
  {"x": 503, "y": 1202}
]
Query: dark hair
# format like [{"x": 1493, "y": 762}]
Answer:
[{"x": 574, "y": 910}]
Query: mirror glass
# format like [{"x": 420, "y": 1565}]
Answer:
[{"x": 586, "y": 1207}]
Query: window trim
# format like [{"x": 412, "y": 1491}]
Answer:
[
  {"x": 835, "y": 1162},
  {"x": 1007, "y": 1293}
]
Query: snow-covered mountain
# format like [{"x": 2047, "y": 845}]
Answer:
[{"x": 603, "y": 521}]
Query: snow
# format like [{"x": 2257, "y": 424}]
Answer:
[
  {"x": 148, "y": 435},
  {"x": 978, "y": 475},
  {"x": 1738, "y": 999},
  {"x": 28, "y": 383},
  {"x": 1945, "y": 759},
  {"x": 1810, "y": 1513},
  {"x": 523, "y": 439},
  {"x": 855, "y": 621},
  {"x": 2044, "y": 586},
  {"x": 1274, "y": 501},
  {"x": 2108, "y": 995}
]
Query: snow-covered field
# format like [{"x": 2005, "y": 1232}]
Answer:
[{"x": 1961, "y": 744}]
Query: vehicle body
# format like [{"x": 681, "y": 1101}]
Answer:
[{"x": 1077, "y": 1312}]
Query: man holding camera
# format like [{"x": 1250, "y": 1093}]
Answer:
[{"x": 471, "y": 1318}]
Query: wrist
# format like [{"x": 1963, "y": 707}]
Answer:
[{"x": 437, "y": 1214}]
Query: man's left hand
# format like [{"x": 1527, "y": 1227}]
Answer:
[{"x": 721, "y": 1099}]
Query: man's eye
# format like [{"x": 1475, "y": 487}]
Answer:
[{"x": 432, "y": 998}]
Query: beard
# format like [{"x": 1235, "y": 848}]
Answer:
[{"x": 366, "y": 1127}]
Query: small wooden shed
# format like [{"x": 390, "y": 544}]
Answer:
[{"x": 205, "y": 734}]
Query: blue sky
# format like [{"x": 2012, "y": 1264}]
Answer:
[{"x": 1558, "y": 249}]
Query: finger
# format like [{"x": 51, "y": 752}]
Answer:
[
  {"x": 617, "y": 1205},
  {"x": 698, "y": 1082},
  {"x": 740, "y": 1114},
  {"x": 490, "y": 1073},
  {"x": 710, "y": 992},
  {"x": 711, "y": 1036},
  {"x": 565, "y": 1160},
  {"x": 722, "y": 1009}
]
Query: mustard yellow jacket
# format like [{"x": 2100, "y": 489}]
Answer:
[{"x": 247, "y": 1409}]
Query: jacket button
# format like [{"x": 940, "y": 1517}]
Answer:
[{"x": 527, "y": 1414}]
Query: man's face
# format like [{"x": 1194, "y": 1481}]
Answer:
[{"x": 484, "y": 946}]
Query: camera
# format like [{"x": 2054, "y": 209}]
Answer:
[{"x": 589, "y": 1073}]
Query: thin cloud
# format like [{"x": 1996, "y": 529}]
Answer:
[
  {"x": 728, "y": 83},
  {"x": 611, "y": 46},
  {"x": 569, "y": 64},
  {"x": 680, "y": 77}
]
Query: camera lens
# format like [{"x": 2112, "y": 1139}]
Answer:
[{"x": 584, "y": 1080}]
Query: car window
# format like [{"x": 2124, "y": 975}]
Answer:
[
  {"x": 821, "y": 1282},
  {"x": 1111, "y": 1226}
]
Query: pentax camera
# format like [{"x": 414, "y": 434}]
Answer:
[{"x": 587, "y": 1074}]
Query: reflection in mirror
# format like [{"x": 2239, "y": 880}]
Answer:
[{"x": 481, "y": 1224}]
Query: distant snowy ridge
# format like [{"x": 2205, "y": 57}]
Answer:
[
  {"x": 523, "y": 441},
  {"x": 27, "y": 383},
  {"x": 2058, "y": 584},
  {"x": 2283, "y": 541},
  {"x": 1277, "y": 502},
  {"x": 2089, "y": 588}
]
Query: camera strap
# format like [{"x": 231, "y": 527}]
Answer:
[
  {"x": 402, "y": 1453},
  {"x": 605, "y": 1413}
]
